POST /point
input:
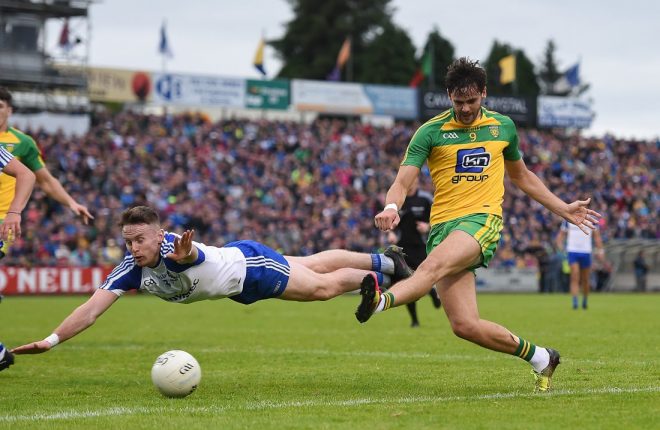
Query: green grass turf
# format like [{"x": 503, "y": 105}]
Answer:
[{"x": 285, "y": 365}]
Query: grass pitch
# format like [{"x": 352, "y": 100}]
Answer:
[{"x": 285, "y": 365}]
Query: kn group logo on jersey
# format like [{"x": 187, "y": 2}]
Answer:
[{"x": 472, "y": 160}]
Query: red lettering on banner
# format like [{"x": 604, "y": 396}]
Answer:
[{"x": 51, "y": 280}]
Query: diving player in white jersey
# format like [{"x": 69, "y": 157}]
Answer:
[
  {"x": 578, "y": 247},
  {"x": 11, "y": 227},
  {"x": 179, "y": 270}
]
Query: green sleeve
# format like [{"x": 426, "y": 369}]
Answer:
[
  {"x": 512, "y": 151},
  {"x": 419, "y": 148},
  {"x": 30, "y": 155}
]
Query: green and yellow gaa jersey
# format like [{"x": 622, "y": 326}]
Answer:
[
  {"x": 466, "y": 162},
  {"x": 24, "y": 148}
]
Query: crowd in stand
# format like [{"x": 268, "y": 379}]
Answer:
[{"x": 301, "y": 188}]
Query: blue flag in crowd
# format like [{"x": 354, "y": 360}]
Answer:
[
  {"x": 164, "y": 46},
  {"x": 573, "y": 75}
]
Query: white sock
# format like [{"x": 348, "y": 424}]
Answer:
[
  {"x": 381, "y": 305},
  {"x": 386, "y": 264},
  {"x": 541, "y": 359}
]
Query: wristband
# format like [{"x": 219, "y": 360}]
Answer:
[
  {"x": 53, "y": 340},
  {"x": 391, "y": 206},
  {"x": 13, "y": 212}
]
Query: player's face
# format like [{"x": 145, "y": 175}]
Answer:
[
  {"x": 467, "y": 104},
  {"x": 5, "y": 112},
  {"x": 143, "y": 242}
]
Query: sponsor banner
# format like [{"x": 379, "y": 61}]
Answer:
[
  {"x": 507, "y": 280},
  {"x": 112, "y": 85},
  {"x": 197, "y": 90},
  {"x": 116, "y": 85},
  {"x": 564, "y": 112},
  {"x": 267, "y": 94},
  {"x": 51, "y": 280},
  {"x": 330, "y": 97},
  {"x": 521, "y": 110},
  {"x": 433, "y": 103},
  {"x": 399, "y": 102}
]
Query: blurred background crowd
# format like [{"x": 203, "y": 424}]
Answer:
[{"x": 302, "y": 188}]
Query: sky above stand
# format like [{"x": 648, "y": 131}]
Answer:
[{"x": 615, "y": 43}]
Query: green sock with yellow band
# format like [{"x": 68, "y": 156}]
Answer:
[
  {"x": 385, "y": 302},
  {"x": 388, "y": 299},
  {"x": 525, "y": 349}
]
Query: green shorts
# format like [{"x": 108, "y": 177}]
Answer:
[{"x": 485, "y": 228}]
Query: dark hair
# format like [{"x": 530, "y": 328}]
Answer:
[
  {"x": 464, "y": 74},
  {"x": 139, "y": 215},
  {"x": 5, "y": 96}
]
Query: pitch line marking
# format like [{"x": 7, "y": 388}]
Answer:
[{"x": 266, "y": 405}]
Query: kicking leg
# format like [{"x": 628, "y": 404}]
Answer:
[{"x": 458, "y": 251}]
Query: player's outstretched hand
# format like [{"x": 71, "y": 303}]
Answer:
[
  {"x": 183, "y": 247},
  {"x": 32, "y": 348},
  {"x": 387, "y": 219},
  {"x": 579, "y": 214},
  {"x": 81, "y": 211}
]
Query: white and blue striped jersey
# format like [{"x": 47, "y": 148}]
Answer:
[
  {"x": 217, "y": 273},
  {"x": 5, "y": 158}
]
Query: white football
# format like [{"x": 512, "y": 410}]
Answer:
[{"x": 176, "y": 373}]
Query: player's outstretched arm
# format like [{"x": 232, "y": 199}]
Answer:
[
  {"x": 24, "y": 183},
  {"x": 82, "y": 317},
  {"x": 576, "y": 212},
  {"x": 55, "y": 190},
  {"x": 388, "y": 219}
]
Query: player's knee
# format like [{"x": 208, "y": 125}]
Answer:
[{"x": 465, "y": 329}]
